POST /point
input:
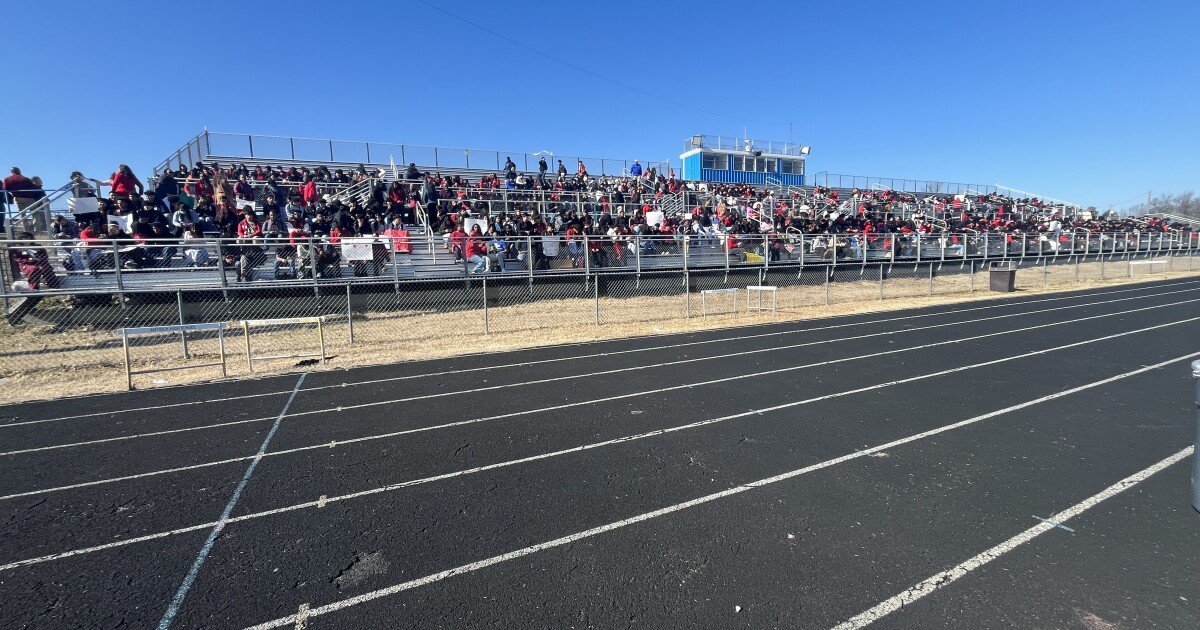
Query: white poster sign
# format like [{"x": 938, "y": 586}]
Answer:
[
  {"x": 122, "y": 222},
  {"x": 482, "y": 223},
  {"x": 654, "y": 218},
  {"x": 83, "y": 205},
  {"x": 356, "y": 249}
]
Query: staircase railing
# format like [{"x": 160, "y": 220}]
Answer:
[{"x": 34, "y": 218}]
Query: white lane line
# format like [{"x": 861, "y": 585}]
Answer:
[
  {"x": 631, "y": 369},
  {"x": 949, "y": 576},
  {"x": 617, "y": 352},
  {"x": 588, "y": 533},
  {"x": 460, "y": 423},
  {"x": 165, "y": 471},
  {"x": 177, "y": 601},
  {"x": 302, "y": 617},
  {"x": 1044, "y": 520},
  {"x": 855, "y": 454}
]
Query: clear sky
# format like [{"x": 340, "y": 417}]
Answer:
[{"x": 1093, "y": 102}]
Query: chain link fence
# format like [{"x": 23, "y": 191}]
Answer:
[{"x": 61, "y": 342}]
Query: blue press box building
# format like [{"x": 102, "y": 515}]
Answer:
[{"x": 743, "y": 161}]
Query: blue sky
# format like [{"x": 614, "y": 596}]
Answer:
[{"x": 1093, "y": 102}]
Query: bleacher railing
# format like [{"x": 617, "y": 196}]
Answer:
[
  {"x": 120, "y": 267},
  {"x": 920, "y": 186},
  {"x": 234, "y": 147}
]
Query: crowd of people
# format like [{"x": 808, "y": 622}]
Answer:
[{"x": 298, "y": 215}]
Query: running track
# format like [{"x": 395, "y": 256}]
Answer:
[{"x": 1010, "y": 463}]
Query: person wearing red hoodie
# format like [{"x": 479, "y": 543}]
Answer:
[
  {"x": 476, "y": 250},
  {"x": 124, "y": 183}
]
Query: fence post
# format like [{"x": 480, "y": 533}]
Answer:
[
  {"x": 881, "y": 282},
  {"x": 1196, "y": 454},
  {"x": 828, "y": 275},
  {"x": 1045, "y": 272},
  {"x": 587, "y": 261},
  {"x": 117, "y": 271},
  {"x": 637, "y": 249},
  {"x": 485, "y": 307},
  {"x": 971, "y": 277},
  {"x": 1077, "y": 269},
  {"x": 930, "y": 278},
  {"x": 596, "y": 297},
  {"x": 687, "y": 295},
  {"x": 349, "y": 315},
  {"x": 395, "y": 270},
  {"x": 183, "y": 335}
]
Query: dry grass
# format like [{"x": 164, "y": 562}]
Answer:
[{"x": 41, "y": 362}]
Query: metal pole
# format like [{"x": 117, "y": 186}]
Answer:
[
  {"x": 1196, "y": 454},
  {"x": 117, "y": 270},
  {"x": 321, "y": 339},
  {"x": 128, "y": 370},
  {"x": 596, "y": 297},
  {"x": 687, "y": 295},
  {"x": 182, "y": 334},
  {"x": 828, "y": 273},
  {"x": 881, "y": 282},
  {"x": 221, "y": 346},
  {"x": 395, "y": 269},
  {"x": 246, "y": 334},
  {"x": 349, "y": 315}
]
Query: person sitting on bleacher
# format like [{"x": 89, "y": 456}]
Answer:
[
  {"x": 250, "y": 252},
  {"x": 476, "y": 251},
  {"x": 157, "y": 238},
  {"x": 33, "y": 262},
  {"x": 194, "y": 254},
  {"x": 497, "y": 251}
]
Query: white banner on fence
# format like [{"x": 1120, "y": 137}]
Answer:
[
  {"x": 242, "y": 204},
  {"x": 654, "y": 218}
]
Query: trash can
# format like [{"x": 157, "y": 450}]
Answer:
[{"x": 1002, "y": 276}]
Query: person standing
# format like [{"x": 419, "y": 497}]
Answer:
[{"x": 124, "y": 183}]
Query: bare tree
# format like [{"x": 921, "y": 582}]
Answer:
[{"x": 1183, "y": 204}]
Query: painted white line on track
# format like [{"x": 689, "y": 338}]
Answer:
[
  {"x": 629, "y": 369},
  {"x": 595, "y": 531},
  {"x": 949, "y": 576},
  {"x": 616, "y": 352},
  {"x": 857, "y": 453},
  {"x": 177, "y": 601}
]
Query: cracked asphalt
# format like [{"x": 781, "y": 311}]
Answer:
[{"x": 429, "y": 498}]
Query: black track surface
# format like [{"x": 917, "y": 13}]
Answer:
[{"x": 806, "y": 552}]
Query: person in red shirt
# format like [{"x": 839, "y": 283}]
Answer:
[
  {"x": 476, "y": 250},
  {"x": 308, "y": 192},
  {"x": 457, "y": 243},
  {"x": 249, "y": 227},
  {"x": 124, "y": 183}
]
